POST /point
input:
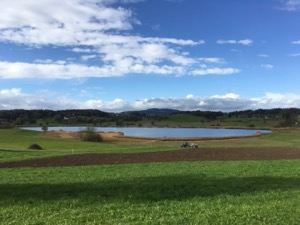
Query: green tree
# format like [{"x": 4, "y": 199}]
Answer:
[
  {"x": 90, "y": 134},
  {"x": 44, "y": 127}
]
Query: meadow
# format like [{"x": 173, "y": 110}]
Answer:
[{"x": 227, "y": 192}]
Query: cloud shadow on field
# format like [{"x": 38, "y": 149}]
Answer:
[{"x": 147, "y": 189}]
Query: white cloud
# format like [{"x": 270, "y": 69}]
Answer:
[
  {"x": 13, "y": 91},
  {"x": 241, "y": 42},
  {"x": 76, "y": 22},
  {"x": 94, "y": 29},
  {"x": 171, "y": 41},
  {"x": 63, "y": 23},
  {"x": 215, "y": 71},
  {"x": 71, "y": 16},
  {"x": 48, "y": 61},
  {"x": 49, "y": 69},
  {"x": 296, "y": 42},
  {"x": 290, "y": 5},
  {"x": 115, "y": 105},
  {"x": 82, "y": 50},
  {"x": 294, "y": 55},
  {"x": 227, "y": 96},
  {"x": 278, "y": 100},
  {"x": 245, "y": 42},
  {"x": 88, "y": 57},
  {"x": 267, "y": 66},
  {"x": 54, "y": 71},
  {"x": 263, "y": 56},
  {"x": 16, "y": 99},
  {"x": 147, "y": 50},
  {"x": 67, "y": 71},
  {"x": 211, "y": 60}
]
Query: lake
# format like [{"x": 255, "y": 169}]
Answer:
[{"x": 154, "y": 132}]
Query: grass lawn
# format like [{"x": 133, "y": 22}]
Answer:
[
  {"x": 248, "y": 192},
  {"x": 240, "y": 192}
]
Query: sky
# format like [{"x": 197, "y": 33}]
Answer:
[{"x": 122, "y": 55}]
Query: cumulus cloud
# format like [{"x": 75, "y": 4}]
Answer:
[
  {"x": 16, "y": 98},
  {"x": 93, "y": 29},
  {"x": 278, "y": 100},
  {"x": 241, "y": 42},
  {"x": 59, "y": 22}
]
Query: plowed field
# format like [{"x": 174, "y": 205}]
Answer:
[{"x": 200, "y": 154}]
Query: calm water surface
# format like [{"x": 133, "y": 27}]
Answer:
[{"x": 155, "y": 132}]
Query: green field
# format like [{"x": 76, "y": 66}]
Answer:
[
  {"x": 241, "y": 192},
  {"x": 262, "y": 192},
  {"x": 14, "y": 144}
]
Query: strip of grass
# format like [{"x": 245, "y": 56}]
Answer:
[{"x": 248, "y": 192}]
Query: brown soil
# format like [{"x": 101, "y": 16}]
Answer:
[
  {"x": 107, "y": 136},
  {"x": 200, "y": 154}
]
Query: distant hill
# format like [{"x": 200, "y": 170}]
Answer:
[
  {"x": 278, "y": 117},
  {"x": 155, "y": 112}
]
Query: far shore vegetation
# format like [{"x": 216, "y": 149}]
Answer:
[{"x": 261, "y": 118}]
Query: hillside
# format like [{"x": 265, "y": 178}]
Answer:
[
  {"x": 155, "y": 112},
  {"x": 261, "y": 118}
]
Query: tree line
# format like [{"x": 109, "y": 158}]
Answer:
[{"x": 288, "y": 117}]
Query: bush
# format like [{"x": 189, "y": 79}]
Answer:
[
  {"x": 44, "y": 127},
  {"x": 288, "y": 123},
  {"x": 35, "y": 147},
  {"x": 90, "y": 134}
]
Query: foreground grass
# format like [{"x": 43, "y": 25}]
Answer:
[{"x": 248, "y": 192}]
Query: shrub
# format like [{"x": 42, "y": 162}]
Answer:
[
  {"x": 35, "y": 147},
  {"x": 44, "y": 127},
  {"x": 90, "y": 134}
]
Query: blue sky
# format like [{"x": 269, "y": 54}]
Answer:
[{"x": 118, "y": 55}]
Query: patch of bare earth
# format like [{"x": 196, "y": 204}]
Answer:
[
  {"x": 107, "y": 136},
  {"x": 200, "y": 154}
]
